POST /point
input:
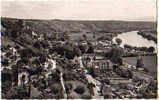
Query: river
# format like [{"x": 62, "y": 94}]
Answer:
[{"x": 133, "y": 39}]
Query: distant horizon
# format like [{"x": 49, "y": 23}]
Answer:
[
  {"x": 82, "y": 19},
  {"x": 125, "y": 10}
]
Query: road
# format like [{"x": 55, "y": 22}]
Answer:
[
  {"x": 53, "y": 66},
  {"x": 95, "y": 82},
  {"x": 91, "y": 80},
  {"x": 63, "y": 86}
]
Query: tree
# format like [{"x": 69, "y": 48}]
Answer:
[
  {"x": 94, "y": 35},
  {"x": 17, "y": 93},
  {"x": 83, "y": 48},
  {"x": 107, "y": 37},
  {"x": 26, "y": 52},
  {"x": 5, "y": 62},
  {"x": 68, "y": 50},
  {"x": 127, "y": 46},
  {"x": 90, "y": 49},
  {"x": 37, "y": 44},
  {"x": 17, "y": 28},
  {"x": 25, "y": 60},
  {"x": 80, "y": 89},
  {"x": 85, "y": 36},
  {"x": 90, "y": 87},
  {"x": 76, "y": 51},
  {"x": 115, "y": 54},
  {"x": 44, "y": 44},
  {"x": 151, "y": 49},
  {"x": 118, "y": 41},
  {"x": 68, "y": 87},
  {"x": 21, "y": 23}
]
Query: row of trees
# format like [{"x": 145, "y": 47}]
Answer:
[
  {"x": 115, "y": 54},
  {"x": 148, "y": 36},
  {"x": 70, "y": 50},
  {"x": 150, "y": 49}
]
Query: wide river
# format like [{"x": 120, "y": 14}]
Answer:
[{"x": 133, "y": 39}]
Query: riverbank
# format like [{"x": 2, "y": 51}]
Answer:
[
  {"x": 136, "y": 54},
  {"x": 134, "y": 39},
  {"x": 150, "y": 35}
]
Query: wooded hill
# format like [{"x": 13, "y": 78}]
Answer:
[{"x": 76, "y": 26}]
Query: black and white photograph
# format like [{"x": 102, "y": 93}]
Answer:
[{"x": 78, "y": 49}]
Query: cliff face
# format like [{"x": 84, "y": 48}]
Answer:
[{"x": 50, "y": 26}]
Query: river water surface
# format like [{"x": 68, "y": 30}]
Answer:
[{"x": 133, "y": 39}]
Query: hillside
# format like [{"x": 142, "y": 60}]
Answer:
[
  {"x": 46, "y": 59},
  {"x": 70, "y": 26}
]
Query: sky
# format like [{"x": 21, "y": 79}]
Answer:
[{"x": 131, "y": 10}]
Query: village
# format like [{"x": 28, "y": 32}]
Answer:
[{"x": 55, "y": 66}]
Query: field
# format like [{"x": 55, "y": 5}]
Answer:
[{"x": 150, "y": 62}]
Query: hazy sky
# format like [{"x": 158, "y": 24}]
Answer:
[{"x": 144, "y": 10}]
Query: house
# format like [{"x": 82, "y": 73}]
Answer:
[{"x": 102, "y": 64}]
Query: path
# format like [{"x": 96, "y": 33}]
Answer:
[
  {"x": 63, "y": 86},
  {"x": 91, "y": 80},
  {"x": 53, "y": 66}
]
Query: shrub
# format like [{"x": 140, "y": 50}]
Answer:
[
  {"x": 68, "y": 87},
  {"x": 5, "y": 62},
  {"x": 26, "y": 53},
  {"x": 17, "y": 93},
  {"x": 55, "y": 90},
  {"x": 80, "y": 90},
  {"x": 118, "y": 41},
  {"x": 37, "y": 44},
  {"x": 24, "y": 60},
  {"x": 42, "y": 59},
  {"x": 151, "y": 49},
  {"x": 115, "y": 55},
  {"x": 68, "y": 76}
]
